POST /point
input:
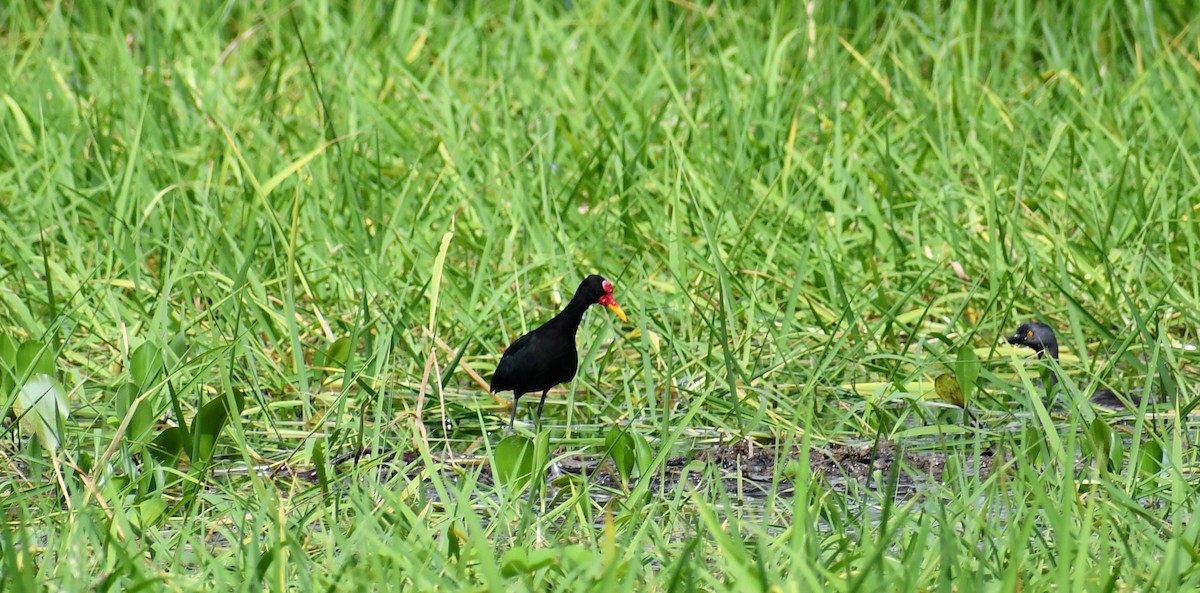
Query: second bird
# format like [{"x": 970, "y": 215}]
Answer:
[
  {"x": 546, "y": 356},
  {"x": 1041, "y": 339}
]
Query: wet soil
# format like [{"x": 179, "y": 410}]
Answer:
[{"x": 745, "y": 468}]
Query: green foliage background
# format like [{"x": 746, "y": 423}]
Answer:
[{"x": 342, "y": 212}]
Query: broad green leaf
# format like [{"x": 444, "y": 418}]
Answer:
[
  {"x": 41, "y": 405},
  {"x": 8, "y": 365},
  {"x": 208, "y": 423},
  {"x": 166, "y": 447},
  {"x": 150, "y": 510},
  {"x": 33, "y": 357},
  {"x": 1101, "y": 436},
  {"x": 645, "y": 456},
  {"x": 1116, "y": 450},
  {"x": 145, "y": 364},
  {"x": 948, "y": 389},
  {"x": 142, "y": 421},
  {"x": 514, "y": 460},
  {"x": 519, "y": 561},
  {"x": 179, "y": 346},
  {"x": 514, "y": 562},
  {"x": 576, "y": 555},
  {"x": 622, "y": 449},
  {"x": 966, "y": 370},
  {"x": 1151, "y": 462},
  {"x": 336, "y": 355}
]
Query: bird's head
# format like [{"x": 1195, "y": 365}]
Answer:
[
  {"x": 598, "y": 290},
  {"x": 1037, "y": 336}
]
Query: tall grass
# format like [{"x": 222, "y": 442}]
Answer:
[{"x": 345, "y": 211}]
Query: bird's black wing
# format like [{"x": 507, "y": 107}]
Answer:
[
  {"x": 510, "y": 361},
  {"x": 535, "y": 362}
]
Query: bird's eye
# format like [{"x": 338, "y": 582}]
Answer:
[
  {"x": 608, "y": 287},
  {"x": 1029, "y": 334}
]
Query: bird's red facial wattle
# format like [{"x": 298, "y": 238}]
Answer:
[{"x": 607, "y": 300}]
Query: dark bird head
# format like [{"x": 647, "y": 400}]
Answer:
[
  {"x": 597, "y": 290},
  {"x": 1037, "y": 336}
]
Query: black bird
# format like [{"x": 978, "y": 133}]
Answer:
[
  {"x": 546, "y": 356},
  {"x": 1040, "y": 337}
]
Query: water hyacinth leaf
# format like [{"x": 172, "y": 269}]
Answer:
[
  {"x": 1151, "y": 458},
  {"x": 336, "y": 356},
  {"x": 141, "y": 421},
  {"x": 166, "y": 447},
  {"x": 208, "y": 423},
  {"x": 178, "y": 346},
  {"x": 41, "y": 405},
  {"x": 33, "y": 357},
  {"x": 948, "y": 389},
  {"x": 966, "y": 370},
  {"x": 518, "y": 561},
  {"x": 8, "y": 364},
  {"x": 645, "y": 456},
  {"x": 150, "y": 510},
  {"x": 514, "y": 460},
  {"x": 622, "y": 450},
  {"x": 576, "y": 555},
  {"x": 145, "y": 364},
  {"x": 41, "y": 402},
  {"x": 514, "y": 562},
  {"x": 1116, "y": 450}
]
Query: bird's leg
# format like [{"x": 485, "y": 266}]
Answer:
[
  {"x": 512, "y": 418},
  {"x": 539, "y": 410}
]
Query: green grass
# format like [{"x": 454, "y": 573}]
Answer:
[{"x": 808, "y": 213}]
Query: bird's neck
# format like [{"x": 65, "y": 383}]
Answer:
[
  {"x": 570, "y": 317},
  {"x": 1051, "y": 350}
]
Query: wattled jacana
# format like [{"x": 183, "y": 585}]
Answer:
[
  {"x": 546, "y": 356},
  {"x": 1041, "y": 339}
]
